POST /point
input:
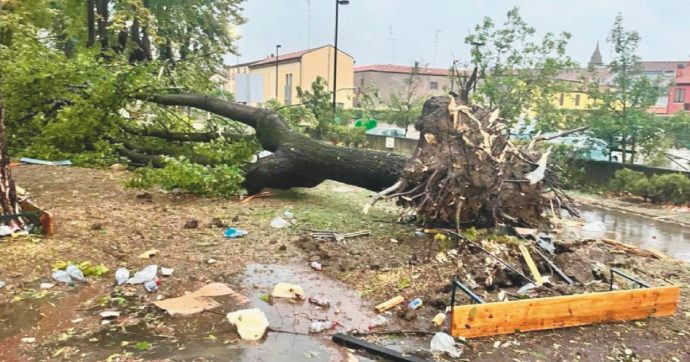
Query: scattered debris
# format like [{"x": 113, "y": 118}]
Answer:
[
  {"x": 110, "y": 314},
  {"x": 148, "y": 254},
  {"x": 46, "y": 285},
  {"x": 316, "y": 327},
  {"x": 29, "y": 340},
  {"x": 75, "y": 273},
  {"x": 211, "y": 261},
  {"x": 389, "y": 304},
  {"x": 121, "y": 275},
  {"x": 415, "y": 303},
  {"x": 339, "y": 237},
  {"x": 439, "y": 319},
  {"x": 62, "y": 277},
  {"x": 287, "y": 290},
  {"x": 251, "y": 323},
  {"x": 2, "y": 284},
  {"x": 217, "y": 223},
  {"x": 320, "y": 300},
  {"x": 199, "y": 300},
  {"x": 151, "y": 286},
  {"x": 316, "y": 265},
  {"x": 191, "y": 224},
  {"x": 378, "y": 321},
  {"x": 545, "y": 242},
  {"x": 531, "y": 265},
  {"x": 233, "y": 233},
  {"x": 260, "y": 194},
  {"x": 444, "y": 343},
  {"x": 525, "y": 232},
  {"x": 35, "y": 161},
  {"x": 166, "y": 272},
  {"x": 279, "y": 223},
  {"x": 143, "y": 276}
]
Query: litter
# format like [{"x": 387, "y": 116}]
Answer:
[
  {"x": 110, "y": 314},
  {"x": 121, "y": 275},
  {"x": 46, "y": 285},
  {"x": 439, "y": 319},
  {"x": 386, "y": 353},
  {"x": 233, "y": 233},
  {"x": 327, "y": 234},
  {"x": 75, "y": 273},
  {"x": 151, "y": 286},
  {"x": 320, "y": 300},
  {"x": 415, "y": 303},
  {"x": 316, "y": 327},
  {"x": 211, "y": 261},
  {"x": 390, "y": 303},
  {"x": 287, "y": 290},
  {"x": 288, "y": 214},
  {"x": 148, "y": 254},
  {"x": 166, "y": 272},
  {"x": 62, "y": 276},
  {"x": 251, "y": 323},
  {"x": 378, "y": 321},
  {"x": 2, "y": 284},
  {"x": 199, "y": 300},
  {"x": 279, "y": 223},
  {"x": 44, "y": 162},
  {"x": 443, "y": 343},
  {"x": 143, "y": 276},
  {"x": 316, "y": 265},
  {"x": 28, "y": 340},
  {"x": 546, "y": 243}
]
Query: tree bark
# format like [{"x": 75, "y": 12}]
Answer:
[
  {"x": 298, "y": 161},
  {"x": 102, "y": 12},
  {"x": 8, "y": 191},
  {"x": 91, "y": 22}
]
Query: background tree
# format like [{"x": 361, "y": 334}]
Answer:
[
  {"x": 405, "y": 104},
  {"x": 518, "y": 71},
  {"x": 619, "y": 115}
]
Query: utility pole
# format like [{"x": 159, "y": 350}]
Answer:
[
  {"x": 392, "y": 39},
  {"x": 436, "y": 45},
  {"x": 308, "y": 24},
  {"x": 335, "y": 56},
  {"x": 277, "y": 48}
]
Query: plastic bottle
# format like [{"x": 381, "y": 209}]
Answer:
[
  {"x": 151, "y": 286},
  {"x": 317, "y": 327},
  {"x": 75, "y": 273},
  {"x": 415, "y": 303},
  {"x": 121, "y": 275}
]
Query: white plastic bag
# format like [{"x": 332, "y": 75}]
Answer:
[{"x": 444, "y": 343}]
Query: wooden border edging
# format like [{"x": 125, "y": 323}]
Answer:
[
  {"x": 478, "y": 320},
  {"x": 47, "y": 222}
]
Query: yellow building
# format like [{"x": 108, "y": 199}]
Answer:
[{"x": 254, "y": 83}]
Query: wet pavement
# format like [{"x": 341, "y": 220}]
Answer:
[{"x": 672, "y": 239}]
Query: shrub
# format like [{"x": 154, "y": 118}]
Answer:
[
  {"x": 624, "y": 180},
  {"x": 670, "y": 188}
]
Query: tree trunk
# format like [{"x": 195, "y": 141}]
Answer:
[
  {"x": 8, "y": 192},
  {"x": 298, "y": 161},
  {"x": 102, "y": 11},
  {"x": 90, "y": 22}
]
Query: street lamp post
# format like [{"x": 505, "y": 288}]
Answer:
[
  {"x": 335, "y": 56},
  {"x": 277, "y": 47}
]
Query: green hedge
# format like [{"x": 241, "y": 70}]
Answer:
[{"x": 671, "y": 188}]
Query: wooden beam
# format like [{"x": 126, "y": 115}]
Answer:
[
  {"x": 47, "y": 222},
  {"x": 532, "y": 266},
  {"x": 489, "y": 319}
]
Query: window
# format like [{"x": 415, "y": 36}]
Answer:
[
  {"x": 288, "y": 89},
  {"x": 433, "y": 85},
  {"x": 561, "y": 100},
  {"x": 577, "y": 100},
  {"x": 679, "y": 96}
]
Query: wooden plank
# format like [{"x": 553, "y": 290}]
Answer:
[
  {"x": 489, "y": 319},
  {"x": 530, "y": 263},
  {"x": 632, "y": 249},
  {"x": 47, "y": 222}
]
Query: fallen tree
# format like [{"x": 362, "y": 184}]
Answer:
[{"x": 464, "y": 171}]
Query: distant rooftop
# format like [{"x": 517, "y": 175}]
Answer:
[
  {"x": 402, "y": 69},
  {"x": 284, "y": 57}
]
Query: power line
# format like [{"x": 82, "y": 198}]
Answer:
[{"x": 392, "y": 39}]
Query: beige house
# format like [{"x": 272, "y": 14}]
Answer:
[
  {"x": 254, "y": 83},
  {"x": 391, "y": 80}
]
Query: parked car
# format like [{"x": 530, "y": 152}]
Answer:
[{"x": 388, "y": 132}]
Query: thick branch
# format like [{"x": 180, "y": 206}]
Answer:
[{"x": 185, "y": 136}]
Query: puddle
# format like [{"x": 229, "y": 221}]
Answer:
[
  {"x": 209, "y": 336},
  {"x": 673, "y": 240}
]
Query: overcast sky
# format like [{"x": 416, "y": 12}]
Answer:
[{"x": 432, "y": 31}]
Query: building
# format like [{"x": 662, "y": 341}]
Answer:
[
  {"x": 254, "y": 83},
  {"x": 679, "y": 92},
  {"x": 389, "y": 80}
]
